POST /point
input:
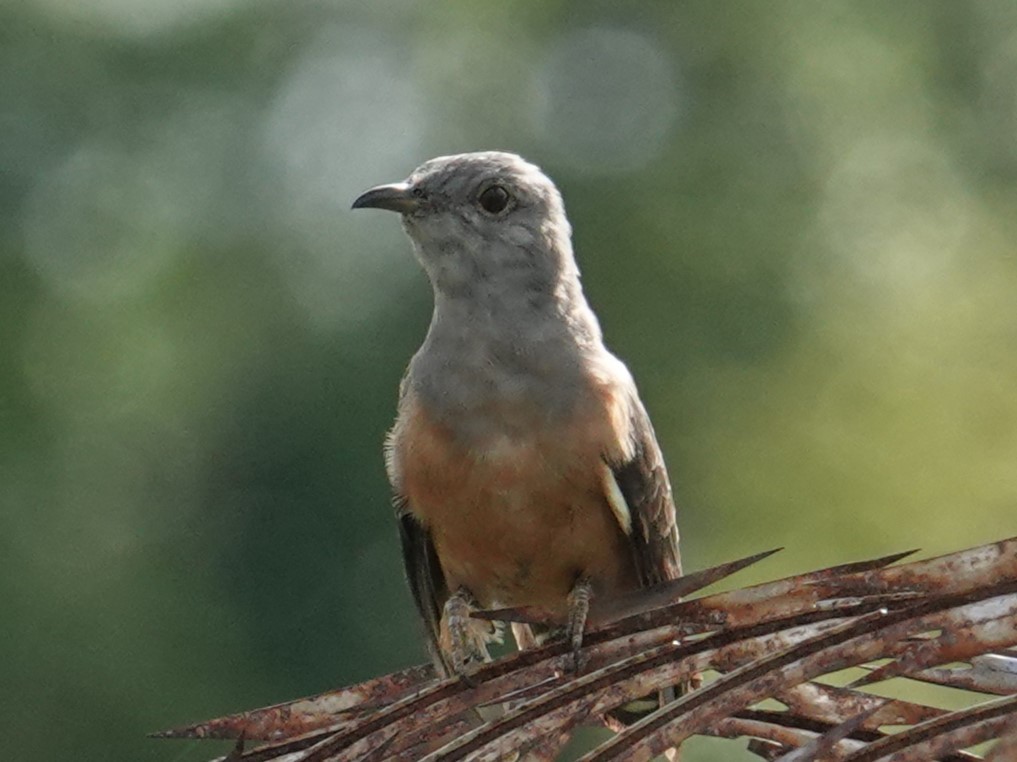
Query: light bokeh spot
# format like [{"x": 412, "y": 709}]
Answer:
[
  {"x": 347, "y": 117},
  {"x": 103, "y": 224},
  {"x": 134, "y": 19},
  {"x": 608, "y": 99},
  {"x": 107, "y": 220},
  {"x": 894, "y": 211}
]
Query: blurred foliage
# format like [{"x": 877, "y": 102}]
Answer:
[{"x": 795, "y": 219}]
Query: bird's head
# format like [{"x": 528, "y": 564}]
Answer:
[{"x": 475, "y": 216}]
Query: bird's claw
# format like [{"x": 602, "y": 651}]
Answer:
[
  {"x": 457, "y": 622},
  {"x": 579, "y": 611}
]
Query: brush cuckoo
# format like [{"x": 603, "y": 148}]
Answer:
[{"x": 524, "y": 466}]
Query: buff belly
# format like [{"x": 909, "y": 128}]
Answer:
[{"x": 516, "y": 521}]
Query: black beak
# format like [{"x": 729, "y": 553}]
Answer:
[{"x": 397, "y": 197}]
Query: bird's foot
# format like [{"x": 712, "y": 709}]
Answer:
[
  {"x": 579, "y": 611},
  {"x": 461, "y": 653}
]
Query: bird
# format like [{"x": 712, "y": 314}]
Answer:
[{"x": 523, "y": 464}]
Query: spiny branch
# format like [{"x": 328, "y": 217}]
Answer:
[{"x": 766, "y": 641}]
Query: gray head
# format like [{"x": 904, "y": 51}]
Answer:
[{"x": 480, "y": 219}]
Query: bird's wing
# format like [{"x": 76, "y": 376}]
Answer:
[
  {"x": 643, "y": 483},
  {"x": 424, "y": 574}
]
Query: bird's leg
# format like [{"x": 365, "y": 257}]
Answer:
[
  {"x": 579, "y": 610},
  {"x": 456, "y": 615}
]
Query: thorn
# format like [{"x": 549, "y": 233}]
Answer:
[
  {"x": 672, "y": 591},
  {"x": 650, "y": 597},
  {"x": 870, "y": 564}
]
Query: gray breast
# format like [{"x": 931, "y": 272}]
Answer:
[{"x": 481, "y": 382}]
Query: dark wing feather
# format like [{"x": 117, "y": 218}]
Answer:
[
  {"x": 644, "y": 484},
  {"x": 424, "y": 574}
]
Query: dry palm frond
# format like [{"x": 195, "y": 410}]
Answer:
[{"x": 769, "y": 641}]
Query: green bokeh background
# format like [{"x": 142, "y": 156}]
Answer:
[{"x": 796, "y": 221}]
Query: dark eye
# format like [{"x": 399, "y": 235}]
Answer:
[{"x": 494, "y": 199}]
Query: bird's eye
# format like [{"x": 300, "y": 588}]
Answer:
[{"x": 494, "y": 199}]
